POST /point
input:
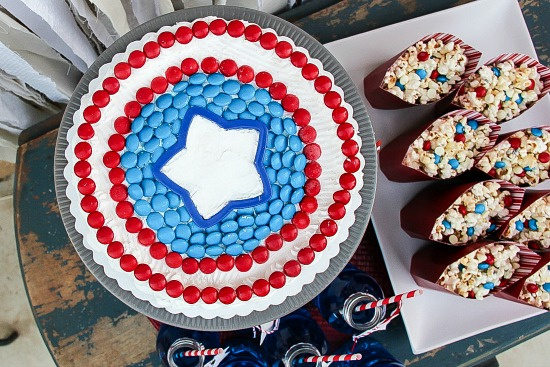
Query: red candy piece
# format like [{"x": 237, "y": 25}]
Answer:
[
  {"x": 460, "y": 138},
  {"x": 342, "y": 196},
  {"x": 133, "y": 225},
  {"x": 143, "y": 272},
  {"x": 225, "y": 262},
  {"x": 340, "y": 114},
  {"x": 132, "y": 109},
  {"x": 283, "y": 49},
  {"x": 118, "y": 192},
  {"x": 157, "y": 282},
  {"x": 111, "y": 159},
  {"x": 261, "y": 287},
  {"x": 83, "y": 150},
  {"x": 544, "y": 157},
  {"x": 434, "y": 74},
  {"x": 289, "y": 232},
  {"x": 89, "y": 203},
  {"x": 508, "y": 201},
  {"x": 122, "y": 70},
  {"x": 292, "y": 268},
  {"x": 490, "y": 259},
  {"x": 82, "y": 169},
  {"x": 227, "y": 295},
  {"x": 116, "y": 142},
  {"x": 423, "y": 56},
  {"x": 128, "y": 262},
  {"x": 322, "y": 84},
  {"x": 159, "y": 85},
  {"x": 101, "y": 98},
  {"x": 462, "y": 210},
  {"x": 146, "y": 236},
  {"x": 174, "y": 260},
  {"x": 332, "y": 99},
  {"x": 151, "y": 49},
  {"x": 260, "y": 254},
  {"x": 137, "y": 59},
  {"x": 173, "y": 74},
  {"x": 200, "y": 29},
  {"x": 301, "y": 117},
  {"x": 124, "y": 209},
  {"x": 189, "y": 66},
  {"x": 312, "y": 151},
  {"x": 243, "y": 262},
  {"x": 86, "y": 186},
  {"x": 310, "y": 72},
  {"x": 264, "y": 79},
  {"x": 317, "y": 242},
  {"x": 312, "y": 187},
  {"x": 91, "y": 114},
  {"x": 350, "y": 148},
  {"x": 532, "y": 288},
  {"x": 228, "y": 67},
  {"x": 244, "y": 292},
  {"x": 277, "y": 90},
  {"x": 184, "y": 35},
  {"x": 515, "y": 143},
  {"x": 218, "y": 27},
  {"x": 427, "y": 145},
  {"x": 352, "y": 164},
  {"x": 116, "y": 175},
  {"x": 209, "y": 65},
  {"x": 492, "y": 172},
  {"x": 252, "y": 33},
  {"x": 111, "y": 85},
  {"x": 298, "y": 59},
  {"x": 313, "y": 169},
  {"x": 277, "y": 279},
  {"x": 105, "y": 235},
  {"x": 328, "y": 227},
  {"x": 191, "y": 294},
  {"x": 336, "y": 211},
  {"x": 290, "y": 103},
  {"x": 300, "y": 220},
  {"x": 235, "y": 28},
  {"x": 245, "y": 74},
  {"x": 274, "y": 242},
  {"x": 471, "y": 294},
  {"x": 85, "y": 131},
  {"x": 532, "y": 85},
  {"x": 96, "y": 220},
  {"x": 144, "y": 95},
  {"x": 190, "y": 265},
  {"x": 306, "y": 256},
  {"x": 345, "y": 131},
  {"x": 308, "y": 204},
  {"x": 347, "y": 181},
  {"x": 174, "y": 289},
  {"x": 307, "y": 134},
  {"x": 115, "y": 249},
  {"x": 166, "y": 39},
  {"x": 122, "y": 125},
  {"x": 268, "y": 41},
  {"x": 480, "y": 92},
  {"x": 207, "y": 265},
  {"x": 158, "y": 250}
]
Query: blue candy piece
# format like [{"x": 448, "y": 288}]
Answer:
[
  {"x": 211, "y": 91},
  {"x": 520, "y": 99},
  {"x": 166, "y": 235},
  {"x": 216, "y": 79},
  {"x": 180, "y": 100},
  {"x": 275, "y": 109},
  {"x": 300, "y": 162},
  {"x": 246, "y": 92},
  {"x": 135, "y": 191},
  {"x": 246, "y": 233},
  {"x": 262, "y": 219},
  {"x": 170, "y": 114},
  {"x": 222, "y": 99},
  {"x": 288, "y": 211},
  {"x": 230, "y": 238},
  {"x": 148, "y": 187},
  {"x": 285, "y": 193},
  {"x": 275, "y": 207},
  {"x": 461, "y": 267},
  {"x": 295, "y": 143},
  {"x": 161, "y": 189},
  {"x": 175, "y": 126},
  {"x": 180, "y": 86},
  {"x": 159, "y": 203},
  {"x": 155, "y": 119},
  {"x": 480, "y": 208},
  {"x": 500, "y": 164},
  {"x": 142, "y": 207},
  {"x": 247, "y": 116},
  {"x": 483, "y": 266},
  {"x": 182, "y": 112},
  {"x": 218, "y": 110},
  {"x": 229, "y": 226},
  {"x": 262, "y": 232},
  {"x": 183, "y": 231},
  {"x": 250, "y": 245},
  {"x": 231, "y": 87},
  {"x": 194, "y": 90},
  {"x": 261, "y": 208},
  {"x": 128, "y": 160},
  {"x": 536, "y": 132},
  {"x": 156, "y": 154},
  {"x": 288, "y": 158},
  {"x": 180, "y": 246},
  {"x": 163, "y": 131},
  {"x": 297, "y": 179},
  {"x": 143, "y": 159},
  {"x": 164, "y": 101},
  {"x": 146, "y": 134},
  {"x": 132, "y": 143},
  {"x": 507, "y": 98},
  {"x": 151, "y": 145},
  {"x": 214, "y": 250},
  {"x": 137, "y": 124},
  {"x": 265, "y": 118},
  {"x": 276, "y": 125},
  {"x": 194, "y": 227},
  {"x": 197, "y": 101},
  {"x": 276, "y": 223},
  {"x": 421, "y": 73},
  {"x": 441, "y": 79},
  {"x": 489, "y": 285},
  {"x": 297, "y": 196},
  {"x": 546, "y": 287},
  {"x": 256, "y": 108},
  {"x": 198, "y": 238},
  {"x": 234, "y": 250},
  {"x": 280, "y": 143},
  {"x": 196, "y": 251},
  {"x": 533, "y": 224},
  {"x": 399, "y": 85},
  {"x": 437, "y": 158},
  {"x": 231, "y": 216},
  {"x": 275, "y": 190},
  {"x": 147, "y": 172},
  {"x": 492, "y": 227},
  {"x": 173, "y": 200},
  {"x": 237, "y": 106},
  {"x": 459, "y": 128},
  {"x": 527, "y": 169},
  {"x": 276, "y": 161},
  {"x": 133, "y": 176},
  {"x": 270, "y": 140},
  {"x": 496, "y": 71},
  {"x": 473, "y": 124},
  {"x": 263, "y": 96},
  {"x": 290, "y": 126},
  {"x": 519, "y": 225},
  {"x": 171, "y": 218},
  {"x": 470, "y": 231},
  {"x": 453, "y": 163},
  {"x": 155, "y": 220},
  {"x": 147, "y": 110},
  {"x": 267, "y": 157},
  {"x": 214, "y": 228},
  {"x": 446, "y": 224},
  {"x": 197, "y": 78},
  {"x": 271, "y": 174},
  {"x": 245, "y": 220},
  {"x": 245, "y": 211},
  {"x": 283, "y": 176}
]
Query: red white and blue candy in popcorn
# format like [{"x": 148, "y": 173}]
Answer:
[
  {"x": 214, "y": 162},
  {"x": 536, "y": 288}
]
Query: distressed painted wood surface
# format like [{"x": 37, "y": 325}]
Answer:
[{"x": 83, "y": 324}]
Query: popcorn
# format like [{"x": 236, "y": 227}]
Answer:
[
  {"x": 426, "y": 71},
  {"x": 448, "y": 147},
  {"x": 522, "y": 158},
  {"x": 472, "y": 215},
  {"x": 536, "y": 289},
  {"x": 501, "y": 91},
  {"x": 480, "y": 271},
  {"x": 532, "y": 225}
]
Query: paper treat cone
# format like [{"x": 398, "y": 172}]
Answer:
[
  {"x": 380, "y": 98},
  {"x": 419, "y": 216},
  {"x": 498, "y": 143},
  {"x": 514, "y": 291},
  {"x": 392, "y": 156},
  {"x": 518, "y": 59},
  {"x": 529, "y": 198},
  {"x": 428, "y": 264}
]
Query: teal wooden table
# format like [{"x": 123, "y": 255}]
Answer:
[{"x": 83, "y": 324}]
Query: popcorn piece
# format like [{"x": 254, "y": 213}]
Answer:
[
  {"x": 501, "y": 91},
  {"x": 476, "y": 274},
  {"x": 426, "y": 71},
  {"x": 532, "y": 225},
  {"x": 471, "y": 216},
  {"x": 536, "y": 289},
  {"x": 449, "y": 147},
  {"x": 522, "y": 159}
]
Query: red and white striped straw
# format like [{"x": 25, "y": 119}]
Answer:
[
  {"x": 386, "y": 301},
  {"x": 202, "y": 352},
  {"x": 332, "y": 358}
]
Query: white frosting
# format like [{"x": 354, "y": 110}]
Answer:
[
  {"x": 216, "y": 166},
  {"x": 244, "y": 53}
]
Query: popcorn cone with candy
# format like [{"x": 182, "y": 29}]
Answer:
[
  {"x": 444, "y": 148},
  {"x": 424, "y": 73}
]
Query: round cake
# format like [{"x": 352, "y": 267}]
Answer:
[{"x": 214, "y": 168}]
